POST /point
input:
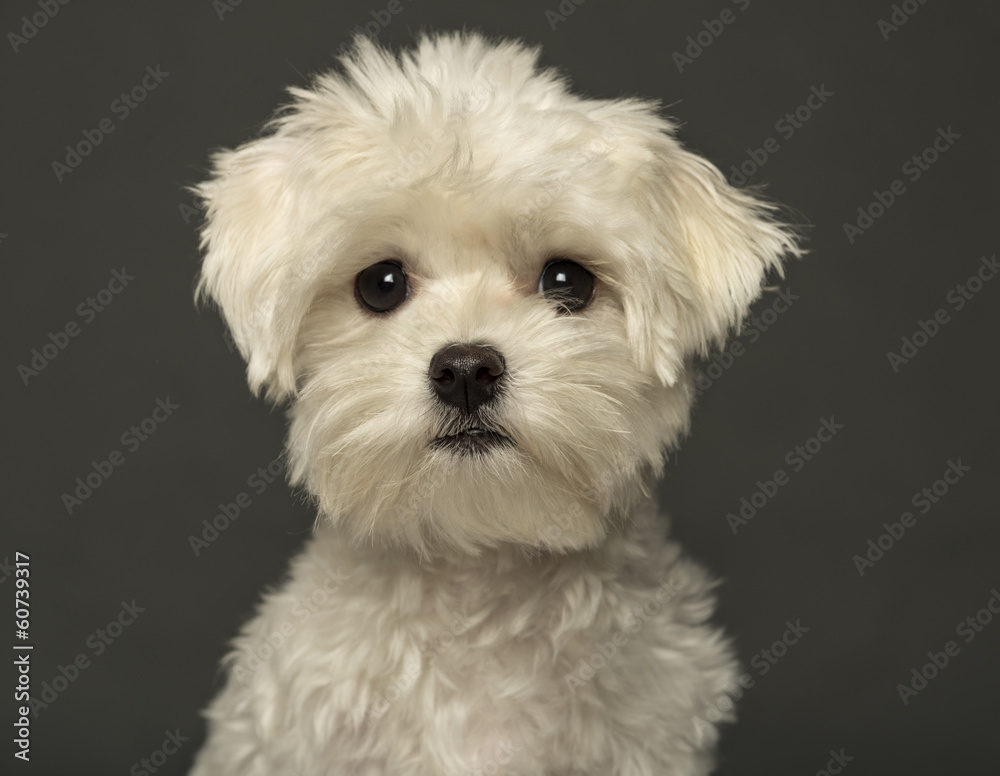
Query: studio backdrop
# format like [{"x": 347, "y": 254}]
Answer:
[{"x": 840, "y": 475}]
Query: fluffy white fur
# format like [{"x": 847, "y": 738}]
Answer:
[{"x": 513, "y": 612}]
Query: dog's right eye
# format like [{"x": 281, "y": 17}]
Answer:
[
  {"x": 382, "y": 287},
  {"x": 568, "y": 284}
]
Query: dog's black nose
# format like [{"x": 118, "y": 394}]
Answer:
[{"x": 466, "y": 376}]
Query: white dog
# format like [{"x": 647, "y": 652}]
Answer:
[{"x": 480, "y": 295}]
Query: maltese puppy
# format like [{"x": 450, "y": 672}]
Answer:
[{"x": 480, "y": 296}]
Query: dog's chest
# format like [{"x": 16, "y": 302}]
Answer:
[{"x": 469, "y": 666}]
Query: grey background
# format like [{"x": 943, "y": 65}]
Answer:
[{"x": 125, "y": 207}]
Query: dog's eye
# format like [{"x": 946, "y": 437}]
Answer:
[
  {"x": 568, "y": 284},
  {"x": 382, "y": 287}
]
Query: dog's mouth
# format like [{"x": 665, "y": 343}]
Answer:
[{"x": 472, "y": 441}]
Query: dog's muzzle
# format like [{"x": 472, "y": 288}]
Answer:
[{"x": 466, "y": 378}]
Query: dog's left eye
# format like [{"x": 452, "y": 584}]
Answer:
[
  {"x": 568, "y": 284},
  {"x": 382, "y": 287}
]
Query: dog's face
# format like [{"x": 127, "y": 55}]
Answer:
[{"x": 479, "y": 291}]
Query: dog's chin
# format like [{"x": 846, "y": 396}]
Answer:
[{"x": 473, "y": 441}]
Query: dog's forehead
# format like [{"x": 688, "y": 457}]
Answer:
[
  {"x": 501, "y": 149},
  {"x": 439, "y": 231}
]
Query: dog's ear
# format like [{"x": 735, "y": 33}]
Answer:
[
  {"x": 707, "y": 247},
  {"x": 246, "y": 240}
]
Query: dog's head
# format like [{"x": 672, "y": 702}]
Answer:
[{"x": 479, "y": 292}]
